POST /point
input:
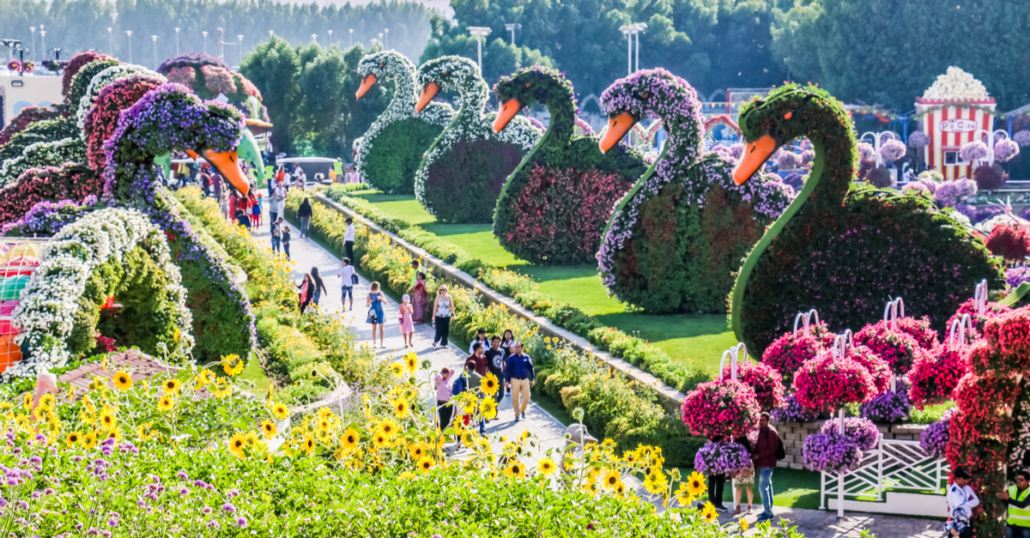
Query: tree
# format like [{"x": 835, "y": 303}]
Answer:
[{"x": 274, "y": 67}]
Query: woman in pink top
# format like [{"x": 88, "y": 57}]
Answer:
[
  {"x": 442, "y": 382},
  {"x": 407, "y": 325}
]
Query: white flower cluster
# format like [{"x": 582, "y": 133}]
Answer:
[
  {"x": 100, "y": 81},
  {"x": 956, "y": 84},
  {"x": 453, "y": 73},
  {"x": 390, "y": 65},
  {"x": 46, "y": 313},
  {"x": 41, "y": 155}
]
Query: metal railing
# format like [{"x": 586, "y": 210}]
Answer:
[{"x": 892, "y": 465}]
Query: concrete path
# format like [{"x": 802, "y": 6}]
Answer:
[{"x": 306, "y": 254}]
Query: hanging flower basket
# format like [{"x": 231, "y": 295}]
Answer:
[
  {"x": 830, "y": 453},
  {"x": 828, "y": 382},
  {"x": 766, "y": 382},
  {"x": 725, "y": 408},
  {"x": 722, "y": 458},
  {"x": 860, "y": 431},
  {"x": 787, "y": 353},
  {"x": 934, "y": 439}
]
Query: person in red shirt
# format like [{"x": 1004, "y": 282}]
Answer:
[{"x": 764, "y": 456}]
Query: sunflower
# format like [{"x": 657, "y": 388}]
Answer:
[
  {"x": 171, "y": 386},
  {"x": 425, "y": 464},
  {"x": 350, "y": 439},
  {"x": 221, "y": 388},
  {"x": 655, "y": 482},
  {"x": 489, "y": 384},
  {"x": 515, "y": 470},
  {"x": 308, "y": 444},
  {"x": 612, "y": 479},
  {"x": 89, "y": 440},
  {"x": 107, "y": 420},
  {"x": 165, "y": 404},
  {"x": 468, "y": 438},
  {"x": 237, "y": 444},
  {"x": 380, "y": 440},
  {"x": 743, "y": 524},
  {"x": 683, "y": 495},
  {"x": 708, "y": 513},
  {"x": 279, "y": 410},
  {"x": 269, "y": 429},
  {"x": 488, "y": 408},
  {"x": 389, "y": 427},
  {"x": 325, "y": 412},
  {"x": 411, "y": 362},
  {"x": 232, "y": 365},
  {"x": 406, "y": 475},
  {"x": 696, "y": 484},
  {"x": 115, "y": 434},
  {"x": 397, "y": 368},
  {"x": 122, "y": 380},
  {"x": 144, "y": 431},
  {"x": 46, "y": 402},
  {"x": 547, "y": 467},
  {"x": 417, "y": 450},
  {"x": 323, "y": 425},
  {"x": 401, "y": 408},
  {"x": 73, "y": 439}
]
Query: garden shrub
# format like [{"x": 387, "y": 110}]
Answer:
[
  {"x": 393, "y": 160},
  {"x": 40, "y": 131},
  {"x": 102, "y": 119},
  {"x": 25, "y": 118},
  {"x": 70, "y": 182},
  {"x": 555, "y": 205},
  {"x": 77, "y": 62}
]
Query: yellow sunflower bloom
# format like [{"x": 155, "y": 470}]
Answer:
[
  {"x": 547, "y": 467},
  {"x": 279, "y": 410},
  {"x": 489, "y": 384},
  {"x": 308, "y": 444},
  {"x": 165, "y": 404},
  {"x": 171, "y": 386},
  {"x": 411, "y": 362},
  {"x": 46, "y": 402},
  {"x": 488, "y": 408},
  {"x": 389, "y": 427},
  {"x": 238, "y": 444},
  {"x": 708, "y": 513},
  {"x": 107, "y": 420},
  {"x": 417, "y": 450},
  {"x": 515, "y": 470},
  {"x": 269, "y": 429},
  {"x": 122, "y": 380},
  {"x": 144, "y": 431},
  {"x": 611, "y": 479},
  {"x": 407, "y": 475},
  {"x": 425, "y": 464},
  {"x": 89, "y": 440},
  {"x": 397, "y": 368},
  {"x": 380, "y": 440},
  {"x": 743, "y": 524},
  {"x": 401, "y": 408},
  {"x": 73, "y": 439},
  {"x": 696, "y": 484},
  {"x": 232, "y": 365},
  {"x": 349, "y": 439}
]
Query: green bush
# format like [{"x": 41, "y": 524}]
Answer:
[
  {"x": 394, "y": 158},
  {"x": 40, "y": 131},
  {"x": 81, "y": 80}
]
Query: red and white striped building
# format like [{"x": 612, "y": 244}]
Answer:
[{"x": 951, "y": 123}]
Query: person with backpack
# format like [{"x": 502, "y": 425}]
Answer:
[
  {"x": 469, "y": 381},
  {"x": 347, "y": 282},
  {"x": 765, "y": 453}
]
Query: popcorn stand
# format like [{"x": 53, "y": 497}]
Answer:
[{"x": 955, "y": 111}]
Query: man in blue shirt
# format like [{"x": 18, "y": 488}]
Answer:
[{"x": 520, "y": 376}]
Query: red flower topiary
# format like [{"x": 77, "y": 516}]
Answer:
[
  {"x": 827, "y": 382},
  {"x": 787, "y": 353},
  {"x": 51, "y": 184},
  {"x": 766, "y": 382},
  {"x": 896, "y": 347},
  {"x": 1010, "y": 241},
  {"x": 935, "y": 374},
  {"x": 102, "y": 120},
  {"x": 969, "y": 307},
  {"x": 723, "y": 408},
  {"x": 919, "y": 329},
  {"x": 75, "y": 64},
  {"x": 27, "y": 116},
  {"x": 879, "y": 370}
]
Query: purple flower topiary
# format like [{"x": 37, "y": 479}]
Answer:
[
  {"x": 866, "y": 151},
  {"x": 973, "y": 151},
  {"x": 788, "y": 160},
  {"x": 982, "y": 214},
  {"x": 722, "y": 458},
  {"x": 1022, "y": 138},
  {"x": 860, "y": 431},
  {"x": 1014, "y": 276},
  {"x": 916, "y": 187},
  {"x": 830, "y": 452},
  {"x": 934, "y": 439},
  {"x": 892, "y": 150},
  {"x": 919, "y": 139},
  {"x": 880, "y": 177},
  {"x": 190, "y": 59},
  {"x": 737, "y": 150},
  {"x": 724, "y": 152},
  {"x": 1005, "y": 150}
]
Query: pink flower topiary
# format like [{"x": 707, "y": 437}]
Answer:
[
  {"x": 184, "y": 75},
  {"x": 723, "y": 408},
  {"x": 919, "y": 329},
  {"x": 827, "y": 382},
  {"x": 935, "y": 374},
  {"x": 787, "y": 353},
  {"x": 766, "y": 382},
  {"x": 969, "y": 307},
  {"x": 218, "y": 80},
  {"x": 879, "y": 370},
  {"x": 896, "y": 347}
]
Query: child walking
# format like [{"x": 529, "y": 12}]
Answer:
[{"x": 407, "y": 323}]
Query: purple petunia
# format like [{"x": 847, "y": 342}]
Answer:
[
  {"x": 830, "y": 452},
  {"x": 892, "y": 150},
  {"x": 1005, "y": 150},
  {"x": 887, "y": 407},
  {"x": 722, "y": 458},
  {"x": 1014, "y": 276},
  {"x": 919, "y": 139},
  {"x": 973, "y": 151},
  {"x": 860, "y": 431},
  {"x": 792, "y": 411},
  {"x": 934, "y": 439}
]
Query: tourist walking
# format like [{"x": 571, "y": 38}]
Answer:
[
  {"x": 442, "y": 384},
  {"x": 348, "y": 239},
  {"x": 1017, "y": 501},
  {"x": 469, "y": 381},
  {"x": 242, "y": 219},
  {"x": 277, "y": 234},
  {"x": 744, "y": 480},
  {"x": 414, "y": 272},
  {"x": 479, "y": 339},
  {"x": 507, "y": 341},
  {"x": 306, "y": 288},
  {"x": 280, "y": 201},
  {"x": 407, "y": 325},
  {"x": 375, "y": 302},
  {"x": 226, "y": 206},
  {"x": 286, "y": 238},
  {"x": 319, "y": 285},
  {"x": 347, "y": 282},
  {"x": 764, "y": 457},
  {"x": 495, "y": 363},
  {"x": 961, "y": 502},
  {"x": 443, "y": 309},
  {"x": 255, "y": 210},
  {"x": 520, "y": 377},
  {"x": 479, "y": 357},
  {"x": 304, "y": 214},
  {"x": 419, "y": 299}
]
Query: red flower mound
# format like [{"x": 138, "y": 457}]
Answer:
[
  {"x": 766, "y": 382},
  {"x": 920, "y": 330},
  {"x": 898, "y": 348},
  {"x": 1009, "y": 334},
  {"x": 51, "y": 184},
  {"x": 935, "y": 374},
  {"x": 561, "y": 215},
  {"x": 879, "y": 370},
  {"x": 826, "y": 383},
  {"x": 1011, "y": 242},
  {"x": 27, "y": 116},
  {"x": 102, "y": 120},
  {"x": 75, "y": 64},
  {"x": 723, "y": 408},
  {"x": 969, "y": 307},
  {"x": 787, "y": 353}
]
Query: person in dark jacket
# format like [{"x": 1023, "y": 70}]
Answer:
[
  {"x": 716, "y": 484},
  {"x": 495, "y": 363},
  {"x": 764, "y": 456},
  {"x": 520, "y": 376},
  {"x": 304, "y": 214},
  {"x": 242, "y": 219}
]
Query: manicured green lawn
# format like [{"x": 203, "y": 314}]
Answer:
[
  {"x": 691, "y": 339},
  {"x": 791, "y": 488}
]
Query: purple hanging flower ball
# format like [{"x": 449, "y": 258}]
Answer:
[
  {"x": 1022, "y": 138},
  {"x": 919, "y": 139},
  {"x": 1005, "y": 150},
  {"x": 866, "y": 151},
  {"x": 860, "y": 431},
  {"x": 973, "y": 151},
  {"x": 934, "y": 439},
  {"x": 722, "y": 458},
  {"x": 892, "y": 150}
]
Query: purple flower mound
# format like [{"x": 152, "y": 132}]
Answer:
[
  {"x": 860, "y": 431},
  {"x": 792, "y": 411},
  {"x": 919, "y": 139},
  {"x": 806, "y": 144},
  {"x": 724, "y": 152},
  {"x": 949, "y": 193},
  {"x": 866, "y": 151},
  {"x": 973, "y": 151},
  {"x": 880, "y": 177},
  {"x": 807, "y": 156},
  {"x": 1005, "y": 150},
  {"x": 934, "y": 439},
  {"x": 1022, "y": 138},
  {"x": 722, "y": 458},
  {"x": 830, "y": 452},
  {"x": 190, "y": 59},
  {"x": 788, "y": 160},
  {"x": 736, "y": 150},
  {"x": 892, "y": 150},
  {"x": 1015, "y": 276},
  {"x": 916, "y": 187},
  {"x": 795, "y": 180},
  {"x": 991, "y": 177},
  {"x": 888, "y": 407},
  {"x": 982, "y": 214}
]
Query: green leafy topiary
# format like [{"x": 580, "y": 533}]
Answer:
[
  {"x": 555, "y": 205},
  {"x": 842, "y": 248},
  {"x": 40, "y": 131},
  {"x": 82, "y": 80}
]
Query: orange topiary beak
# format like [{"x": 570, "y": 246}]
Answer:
[
  {"x": 227, "y": 164},
  {"x": 508, "y": 111},
  {"x": 257, "y": 126},
  {"x": 617, "y": 128},
  {"x": 428, "y": 93},
  {"x": 366, "y": 84},
  {"x": 755, "y": 155}
]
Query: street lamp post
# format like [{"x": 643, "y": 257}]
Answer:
[
  {"x": 177, "y": 41},
  {"x": 110, "y": 41},
  {"x": 239, "y": 37},
  {"x": 386, "y": 37},
  {"x": 129, "y": 34},
  {"x": 153, "y": 38},
  {"x": 205, "y": 41},
  {"x": 631, "y": 30},
  {"x": 381, "y": 38},
  {"x": 351, "y": 37},
  {"x": 511, "y": 28},
  {"x": 33, "y": 30},
  {"x": 479, "y": 32},
  {"x": 314, "y": 38},
  {"x": 42, "y": 42},
  {"x": 330, "y": 38},
  {"x": 221, "y": 43},
  {"x": 11, "y": 45}
]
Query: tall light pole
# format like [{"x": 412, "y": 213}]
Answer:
[
  {"x": 640, "y": 28},
  {"x": 33, "y": 30},
  {"x": 631, "y": 30},
  {"x": 153, "y": 38},
  {"x": 479, "y": 32},
  {"x": 177, "y": 41},
  {"x": 110, "y": 42},
  {"x": 381, "y": 39},
  {"x": 330, "y": 38},
  {"x": 314, "y": 38},
  {"x": 42, "y": 42},
  {"x": 129, "y": 34},
  {"x": 511, "y": 28},
  {"x": 221, "y": 43},
  {"x": 205, "y": 41},
  {"x": 352, "y": 37},
  {"x": 386, "y": 37},
  {"x": 240, "y": 38}
]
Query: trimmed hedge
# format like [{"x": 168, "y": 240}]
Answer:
[{"x": 392, "y": 162}]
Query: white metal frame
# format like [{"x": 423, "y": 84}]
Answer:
[{"x": 893, "y": 464}]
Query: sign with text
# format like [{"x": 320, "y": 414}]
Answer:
[{"x": 957, "y": 126}]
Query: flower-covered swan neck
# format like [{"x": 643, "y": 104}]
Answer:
[
  {"x": 457, "y": 74},
  {"x": 548, "y": 87},
  {"x": 390, "y": 65},
  {"x": 659, "y": 94}
]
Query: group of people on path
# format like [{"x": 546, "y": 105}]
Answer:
[
  {"x": 962, "y": 499},
  {"x": 765, "y": 451}
]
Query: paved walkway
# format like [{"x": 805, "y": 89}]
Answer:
[{"x": 307, "y": 254}]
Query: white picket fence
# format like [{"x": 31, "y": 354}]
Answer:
[{"x": 894, "y": 465}]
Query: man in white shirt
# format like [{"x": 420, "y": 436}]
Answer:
[
  {"x": 279, "y": 202},
  {"x": 347, "y": 283},
  {"x": 961, "y": 501},
  {"x": 348, "y": 239}
]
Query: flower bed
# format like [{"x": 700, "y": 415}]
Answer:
[{"x": 42, "y": 155}]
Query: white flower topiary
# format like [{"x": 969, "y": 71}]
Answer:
[{"x": 100, "y": 81}]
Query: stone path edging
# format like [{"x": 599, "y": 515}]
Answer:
[{"x": 670, "y": 398}]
